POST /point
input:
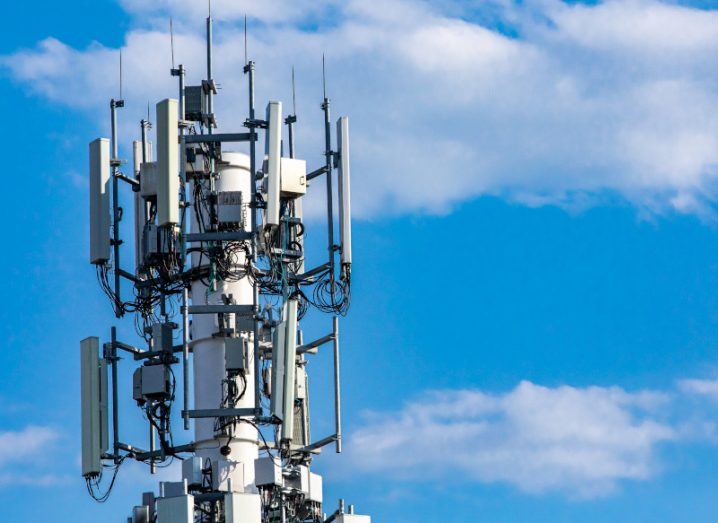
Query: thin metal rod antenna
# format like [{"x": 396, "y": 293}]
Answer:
[
  {"x": 120, "y": 74},
  {"x": 324, "y": 76},
  {"x": 246, "y": 60},
  {"x": 294, "y": 94},
  {"x": 292, "y": 119},
  {"x": 172, "y": 42}
]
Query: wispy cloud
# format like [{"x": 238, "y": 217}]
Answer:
[
  {"x": 700, "y": 387},
  {"x": 21, "y": 461},
  {"x": 567, "y": 102},
  {"x": 20, "y": 445},
  {"x": 578, "y": 441}
]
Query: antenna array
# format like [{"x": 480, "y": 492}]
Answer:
[{"x": 220, "y": 289}]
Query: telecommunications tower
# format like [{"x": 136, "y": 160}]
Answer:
[{"x": 218, "y": 292}]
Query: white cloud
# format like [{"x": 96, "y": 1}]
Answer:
[
  {"x": 23, "y": 457},
  {"x": 700, "y": 387},
  {"x": 579, "y": 441},
  {"x": 582, "y": 101},
  {"x": 23, "y": 444}
]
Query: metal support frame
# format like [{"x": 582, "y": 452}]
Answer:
[
  {"x": 219, "y": 413},
  {"x": 242, "y": 310},
  {"x": 221, "y": 138}
]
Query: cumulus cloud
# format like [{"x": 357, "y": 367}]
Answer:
[
  {"x": 540, "y": 102},
  {"x": 578, "y": 441}
]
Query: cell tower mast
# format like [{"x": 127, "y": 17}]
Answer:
[{"x": 219, "y": 290}]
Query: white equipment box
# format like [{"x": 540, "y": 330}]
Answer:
[
  {"x": 267, "y": 472},
  {"x": 242, "y": 508},
  {"x": 175, "y": 510},
  {"x": 352, "y": 518},
  {"x": 294, "y": 177}
]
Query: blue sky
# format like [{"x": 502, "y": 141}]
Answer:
[{"x": 533, "y": 329}]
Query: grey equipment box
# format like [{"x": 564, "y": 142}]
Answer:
[
  {"x": 151, "y": 382},
  {"x": 235, "y": 354},
  {"x": 229, "y": 208}
]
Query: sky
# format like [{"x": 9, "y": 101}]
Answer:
[{"x": 533, "y": 326}]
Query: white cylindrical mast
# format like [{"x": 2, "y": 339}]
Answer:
[{"x": 208, "y": 350}]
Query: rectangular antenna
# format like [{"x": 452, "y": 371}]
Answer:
[
  {"x": 274, "y": 155},
  {"x": 345, "y": 218},
  {"x": 290, "y": 367},
  {"x": 167, "y": 162},
  {"x": 100, "y": 201},
  {"x": 278, "y": 358},
  {"x": 93, "y": 378}
]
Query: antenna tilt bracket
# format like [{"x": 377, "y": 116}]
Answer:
[
  {"x": 209, "y": 85},
  {"x": 255, "y": 124}
]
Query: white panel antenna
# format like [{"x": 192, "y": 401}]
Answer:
[
  {"x": 100, "y": 201},
  {"x": 345, "y": 215},
  {"x": 167, "y": 163},
  {"x": 290, "y": 366},
  {"x": 93, "y": 380},
  {"x": 274, "y": 158}
]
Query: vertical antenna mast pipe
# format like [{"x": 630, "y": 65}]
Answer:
[
  {"x": 328, "y": 153},
  {"x": 249, "y": 71},
  {"x": 114, "y": 104},
  {"x": 180, "y": 73},
  {"x": 210, "y": 83},
  {"x": 115, "y": 413},
  {"x": 292, "y": 118},
  {"x": 337, "y": 388},
  {"x": 185, "y": 357}
]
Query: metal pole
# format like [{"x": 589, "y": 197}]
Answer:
[
  {"x": 210, "y": 82},
  {"x": 249, "y": 70},
  {"x": 183, "y": 112},
  {"x": 337, "y": 388},
  {"x": 114, "y": 104},
  {"x": 290, "y": 125},
  {"x": 185, "y": 355},
  {"x": 330, "y": 211},
  {"x": 115, "y": 413},
  {"x": 153, "y": 467}
]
